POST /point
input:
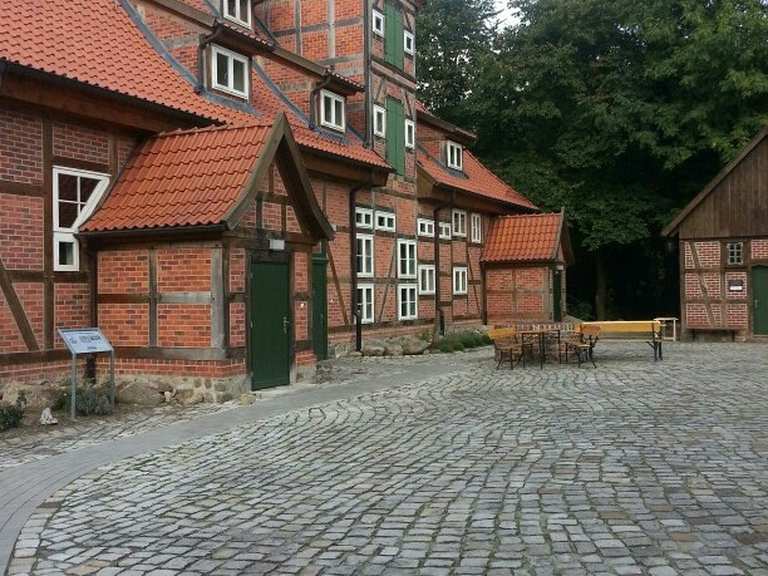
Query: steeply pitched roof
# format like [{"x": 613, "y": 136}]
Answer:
[
  {"x": 476, "y": 179},
  {"x": 205, "y": 177},
  {"x": 526, "y": 238}
]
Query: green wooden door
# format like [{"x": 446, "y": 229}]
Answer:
[
  {"x": 396, "y": 135},
  {"x": 394, "y": 52},
  {"x": 270, "y": 324},
  {"x": 557, "y": 295},
  {"x": 760, "y": 300},
  {"x": 320, "y": 306}
]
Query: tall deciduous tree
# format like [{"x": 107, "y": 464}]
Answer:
[
  {"x": 620, "y": 110},
  {"x": 453, "y": 36}
]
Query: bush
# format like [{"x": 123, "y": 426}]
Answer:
[
  {"x": 91, "y": 401},
  {"x": 11, "y": 415},
  {"x": 459, "y": 341}
]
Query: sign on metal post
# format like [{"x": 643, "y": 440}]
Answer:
[{"x": 84, "y": 341}]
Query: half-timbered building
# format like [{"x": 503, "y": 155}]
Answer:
[
  {"x": 227, "y": 188},
  {"x": 723, "y": 244}
]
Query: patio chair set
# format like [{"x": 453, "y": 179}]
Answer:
[{"x": 518, "y": 345}]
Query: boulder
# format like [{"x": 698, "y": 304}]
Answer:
[
  {"x": 139, "y": 393},
  {"x": 374, "y": 349},
  {"x": 393, "y": 349},
  {"x": 47, "y": 418},
  {"x": 413, "y": 346}
]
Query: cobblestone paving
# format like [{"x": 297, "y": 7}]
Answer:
[{"x": 633, "y": 468}]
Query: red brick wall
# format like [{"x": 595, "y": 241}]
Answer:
[
  {"x": 518, "y": 294},
  {"x": 80, "y": 143},
  {"x": 21, "y": 145},
  {"x": 21, "y": 232},
  {"x": 71, "y": 307}
]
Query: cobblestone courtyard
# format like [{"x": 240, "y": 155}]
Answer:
[{"x": 633, "y": 468}]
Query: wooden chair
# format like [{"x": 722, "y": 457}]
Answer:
[
  {"x": 507, "y": 346},
  {"x": 583, "y": 344}
]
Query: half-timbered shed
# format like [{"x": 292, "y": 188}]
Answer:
[
  {"x": 723, "y": 244},
  {"x": 228, "y": 189},
  {"x": 524, "y": 265}
]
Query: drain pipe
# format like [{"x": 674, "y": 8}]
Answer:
[
  {"x": 356, "y": 316},
  {"x": 439, "y": 327}
]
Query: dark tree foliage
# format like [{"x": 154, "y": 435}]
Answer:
[
  {"x": 620, "y": 111},
  {"x": 453, "y": 37}
]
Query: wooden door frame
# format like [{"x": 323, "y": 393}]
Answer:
[
  {"x": 262, "y": 256},
  {"x": 751, "y": 299},
  {"x": 317, "y": 257}
]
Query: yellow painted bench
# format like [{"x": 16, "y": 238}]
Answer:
[{"x": 651, "y": 328}]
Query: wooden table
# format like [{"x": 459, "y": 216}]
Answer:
[{"x": 541, "y": 336}]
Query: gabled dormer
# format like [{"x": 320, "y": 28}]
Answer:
[
  {"x": 239, "y": 12},
  {"x": 332, "y": 112},
  {"x": 453, "y": 155}
]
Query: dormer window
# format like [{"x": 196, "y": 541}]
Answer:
[
  {"x": 238, "y": 11},
  {"x": 378, "y": 23},
  {"x": 229, "y": 72},
  {"x": 380, "y": 121},
  {"x": 410, "y": 134},
  {"x": 453, "y": 155},
  {"x": 409, "y": 43},
  {"x": 332, "y": 111}
]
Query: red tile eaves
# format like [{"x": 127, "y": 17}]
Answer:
[{"x": 524, "y": 238}]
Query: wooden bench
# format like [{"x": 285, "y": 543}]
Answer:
[
  {"x": 652, "y": 329},
  {"x": 507, "y": 346},
  {"x": 716, "y": 329}
]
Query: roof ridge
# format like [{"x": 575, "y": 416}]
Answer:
[{"x": 533, "y": 215}]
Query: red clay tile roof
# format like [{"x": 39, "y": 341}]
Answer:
[
  {"x": 68, "y": 39},
  {"x": 476, "y": 179},
  {"x": 527, "y": 238},
  {"x": 182, "y": 178}
]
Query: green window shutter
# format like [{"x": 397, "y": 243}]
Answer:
[
  {"x": 393, "y": 32},
  {"x": 396, "y": 135}
]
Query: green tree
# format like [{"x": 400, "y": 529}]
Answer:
[
  {"x": 453, "y": 36},
  {"x": 620, "y": 110}
]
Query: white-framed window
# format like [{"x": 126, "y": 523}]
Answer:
[
  {"x": 460, "y": 280},
  {"x": 453, "y": 155},
  {"x": 386, "y": 221},
  {"x": 410, "y": 134},
  {"x": 238, "y": 11},
  {"x": 229, "y": 71},
  {"x": 427, "y": 279},
  {"x": 365, "y": 302},
  {"x": 476, "y": 228},
  {"x": 364, "y": 252},
  {"x": 409, "y": 42},
  {"x": 406, "y": 259},
  {"x": 445, "y": 231},
  {"x": 332, "y": 113},
  {"x": 75, "y": 194},
  {"x": 735, "y": 253},
  {"x": 407, "y": 302},
  {"x": 459, "y": 218},
  {"x": 426, "y": 227},
  {"x": 380, "y": 121},
  {"x": 364, "y": 218},
  {"x": 378, "y": 23}
]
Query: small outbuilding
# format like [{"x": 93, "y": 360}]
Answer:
[
  {"x": 524, "y": 266},
  {"x": 723, "y": 244}
]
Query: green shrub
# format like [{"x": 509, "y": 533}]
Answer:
[
  {"x": 11, "y": 415},
  {"x": 91, "y": 401},
  {"x": 465, "y": 340}
]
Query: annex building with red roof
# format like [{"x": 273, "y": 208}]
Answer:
[{"x": 228, "y": 188}]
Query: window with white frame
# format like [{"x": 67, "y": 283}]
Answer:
[
  {"x": 445, "y": 231},
  {"x": 410, "y": 134},
  {"x": 459, "y": 223},
  {"x": 476, "y": 228},
  {"x": 427, "y": 279},
  {"x": 75, "y": 195},
  {"x": 460, "y": 280},
  {"x": 407, "y": 302},
  {"x": 230, "y": 71},
  {"x": 378, "y": 23},
  {"x": 365, "y": 303},
  {"x": 364, "y": 254},
  {"x": 453, "y": 155},
  {"x": 735, "y": 253},
  {"x": 332, "y": 113},
  {"x": 409, "y": 43},
  {"x": 238, "y": 11},
  {"x": 364, "y": 218},
  {"x": 380, "y": 121},
  {"x": 426, "y": 227},
  {"x": 406, "y": 259},
  {"x": 386, "y": 221}
]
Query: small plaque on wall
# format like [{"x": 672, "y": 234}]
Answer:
[{"x": 735, "y": 285}]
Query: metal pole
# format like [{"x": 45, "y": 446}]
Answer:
[
  {"x": 73, "y": 398},
  {"x": 358, "y": 331},
  {"x": 112, "y": 391}
]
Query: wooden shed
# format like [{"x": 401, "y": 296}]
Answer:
[{"x": 723, "y": 243}]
